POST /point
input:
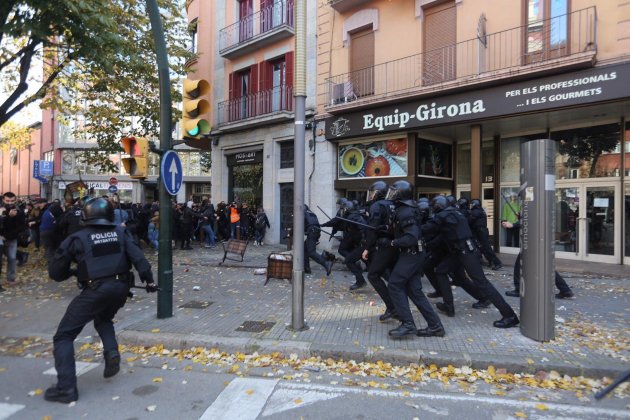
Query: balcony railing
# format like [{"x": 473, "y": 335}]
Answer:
[
  {"x": 567, "y": 38},
  {"x": 257, "y": 25},
  {"x": 257, "y": 104}
]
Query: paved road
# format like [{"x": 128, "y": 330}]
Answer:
[{"x": 152, "y": 387}]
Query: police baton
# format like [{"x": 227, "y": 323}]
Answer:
[{"x": 135, "y": 286}]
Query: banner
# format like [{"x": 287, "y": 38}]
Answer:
[{"x": 374, "y": 159}]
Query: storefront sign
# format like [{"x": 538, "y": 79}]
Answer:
[
  {"x": 245, "y": 158},
  {"x": 588, "y": 86},
  {"x": 373, "y": 159},
  {"x": 104, "y": 185}
]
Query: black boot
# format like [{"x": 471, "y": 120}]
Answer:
[
  {"x": 506, "y": 322},
  {"x": 446, "y": 308},
  {"x": 65, "y": 396},
  {"x": 481, "y": 304},
  {"x": 387, "y": 316},
  {"x": 328, "y": 265},
  {"x": 357, "y": 285},
  {"x": 565, "y": 295},
  {"x": 404, "y": 329},
  {"x": 434, "y": 295},
  {"x": 513, "y": 293},
  {"x": 112, "y": 363},
  {"x": 435, "y": 331}
]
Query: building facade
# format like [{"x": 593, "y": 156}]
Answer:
[
  {"x": 442, "y": 93},
  {"x": 246, "y": 50}
]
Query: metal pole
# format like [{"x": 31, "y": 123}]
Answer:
[
  {"x": 165, "y": 252},
  {"x": 297, "y": 313}
]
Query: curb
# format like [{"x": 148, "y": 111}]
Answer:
[{"x": 365, "y": 354}]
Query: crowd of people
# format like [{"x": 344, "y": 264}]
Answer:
[
  {"x": 45, "y": 224},
  {"x": 401, "y": 239}
]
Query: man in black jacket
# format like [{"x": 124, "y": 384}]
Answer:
[{"x": 12, "y": 223}]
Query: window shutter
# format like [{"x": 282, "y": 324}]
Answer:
[
  {"x": 231, "y": 86},
  {"x": 289, "y": 59}
]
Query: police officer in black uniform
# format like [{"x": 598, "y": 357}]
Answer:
[
  {"x": 104, "y": 254},
  {"x": 450, "y": 223},
  {"x": 404, "y": 281},
  {"x": 70, "y": 221},
  {"x": 352, "y": 251},
  {"x": 478, "y": 221},
  {"x": 380, "y": 258},
  {"x": 312, "y": 230}
]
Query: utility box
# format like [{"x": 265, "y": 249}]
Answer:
[{"x": 538, "y": 186}]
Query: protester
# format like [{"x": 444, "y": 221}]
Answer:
[{"x": 260, "y": 226}]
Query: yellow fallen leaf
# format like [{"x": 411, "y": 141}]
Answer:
[
  {"x": 520, "y": 414},
  {"x": 234, "y": 368},
  {"x": 298, "y": 401},
  {"x": 158, "y": 379},
  {"x": 155, "y": 330},
  {"x": 47, "y": 418},
  {"x": 3, "y": 369},
  {"x": 38, "y": 391},
  {"x": 249, "y": 391},
  {"x": 542, "y": 407},
  {"x": 491, "y": 370},
  {"x": 406, "y": 394},
  {"x": 530, "y": 361}
]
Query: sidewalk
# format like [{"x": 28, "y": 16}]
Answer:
[
  {"x": 233, "y": 311},
  {"x": 592, "y": 337}
]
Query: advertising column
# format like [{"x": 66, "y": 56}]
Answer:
[{"x": 537, "y": 217}]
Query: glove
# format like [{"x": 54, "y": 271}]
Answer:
[
  {"x": 383, "y": 242},
  {"x": 151, "y": 287}
]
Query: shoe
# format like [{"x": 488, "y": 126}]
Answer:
[
  {"x": 112, "y": 363},
  {"x": 358, "y": 285},
  {"x": 328, "y": 266},
  {"x": 506, "y": 322},
  {"x": 65, "y": 396},
  {"x": 434, "y": 295},
  {"x": 208, "y": 246},
  {"x": 188, "y": 248},
  {"x": 307, "y": 271},
  {"x": 513, "y": 293},
  {"x": 23, "y": 260},
  {"x": 387, "y": 316},
  {"x": 497, "y": 266},
  {"x": 448, "y": 310},
  {"x": 260, "y": 243},
  {"x": 481, "y": 304},
  {"x": 437, "y": 331},
  {"x": 11, "y": 283},
  {"x": 565, "y": 295},
  {"x": 403, "y": 330}
]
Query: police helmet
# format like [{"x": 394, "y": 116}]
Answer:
[
  {"x": 377, "y": 191},
  {"x": 400, "y": 191},
  {"x": 462, "y": 203},
  {"x": 341, "y": 202},
  {"x": 439, "y": 203},
  {"x": 424, "y": 206},
  {"x": 97, "y": 212},
  {"x": 451, "y": 200},
  {"x": 349, "y": 206},
  {"x": 475, "y": 203}
]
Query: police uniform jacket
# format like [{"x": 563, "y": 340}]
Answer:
[
  {"x": 478, "y": 219},
  {"x": 101, "y": 254},
  {"x": 379, "y": 216},
  {"x": 407, "y": 232},
  {"x": 453, "y": 227}
]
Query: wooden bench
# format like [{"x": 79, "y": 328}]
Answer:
[{"x": 234, "y": 247}]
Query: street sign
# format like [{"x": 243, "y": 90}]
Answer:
[
  {"x": 113, "y": 181},
  {"x": 171, "y": 172},
  {"x": 37, "y": 173},
  {"x": 112, "y": 189},
  {"x": 45, "y": 168}
]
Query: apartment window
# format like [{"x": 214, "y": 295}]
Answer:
[
  {"x": 362, "y": 62},
  {"x": 547, "y": 29},
  {"x": 193, "y": 36},
  {"x": 440, "y": 43},
  {"x": 286, "y": 154}
]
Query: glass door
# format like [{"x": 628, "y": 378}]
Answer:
[{"x": 587, "y": 225}]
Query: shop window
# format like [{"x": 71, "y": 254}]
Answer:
[
  {"x": 588, "y": 152},
  {"x": 286, "y": 154},
  {"x": 463, "y": 163},
  {"x": 511, "y": 156}
]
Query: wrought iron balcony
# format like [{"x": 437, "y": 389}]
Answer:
[
  {"x": 257, "y": 107},
  {"x": 266, "y": 26},
  {"x": 566, "y": 40}
]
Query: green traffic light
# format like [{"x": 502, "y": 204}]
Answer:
[{"x": 194, "y": 131}]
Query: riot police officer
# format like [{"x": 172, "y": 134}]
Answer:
[
  {"x": 104, "y": 253},
  {"x": 449, "y": 222},
  {"x": 478, "y": 221},
  {"x": 312, "y": 230},
  {"x": 404, "y": 281},
  {"x": 379, "y": 258}
]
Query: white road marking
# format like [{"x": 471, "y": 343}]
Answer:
[
  {"x": 477, "y": 399},
  {"x": 288, "y": 399},
  {"x": 7, "y": 410},
  {"x": 243, "y": 399},
  {"x": 82, "y": 367}
]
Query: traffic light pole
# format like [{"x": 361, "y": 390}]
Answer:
[{"x": 165, "y": 250}]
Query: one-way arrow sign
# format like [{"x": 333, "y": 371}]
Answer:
[{"x": 171, "y": 172}]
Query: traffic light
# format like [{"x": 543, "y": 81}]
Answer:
[
  {"x": 195, "y": 118},
  {"x": 138, "y": 149}
]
